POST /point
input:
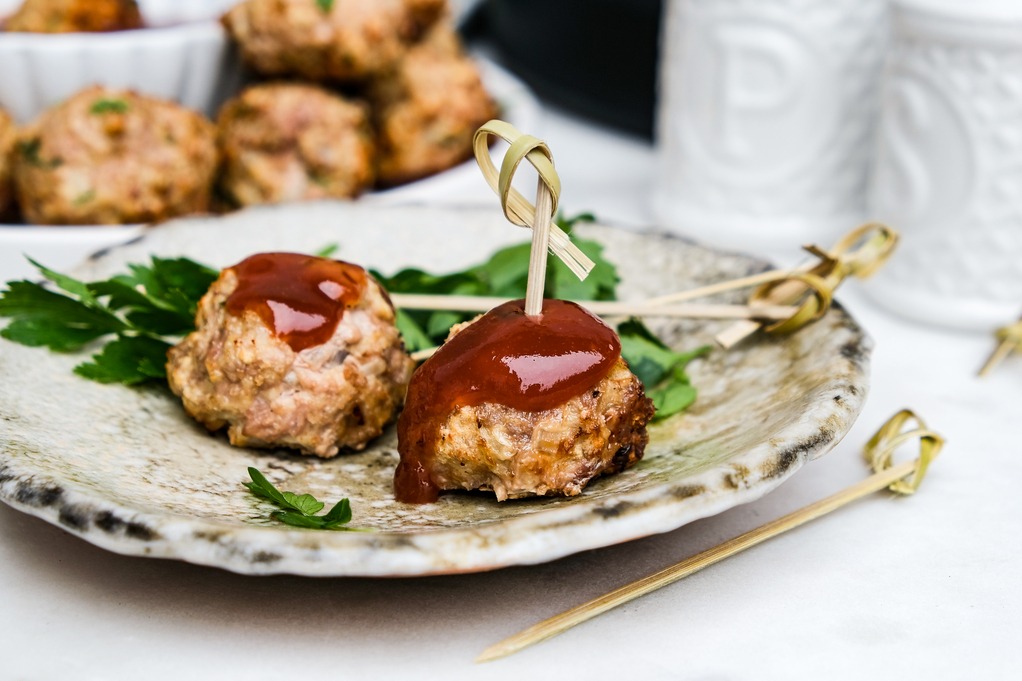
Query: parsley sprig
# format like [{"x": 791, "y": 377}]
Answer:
[
  {"x": 661, "y": 369},
  {"x": 136, "y": 312},
  {"x": 299, "y": 510}
]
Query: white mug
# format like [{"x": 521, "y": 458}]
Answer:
[
  {"x": 765, "y": 115},
  {"x": 948, "y": 168}
]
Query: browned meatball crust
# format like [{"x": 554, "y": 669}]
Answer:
[
  {"x": 342, "y": 40},
  {"x": 234, "y": 372},
  {"x": 553, "y": 452},
  {"x": 74, "y": 16},
  {"x": 108, "y": 156},
  {"x": 427, "y": 110},
  {"x": 290, "y": 142},
  {"x": 7, "y": 137}
]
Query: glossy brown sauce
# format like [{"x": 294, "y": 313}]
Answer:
[
  {"x": 505, "y": 357},
  {"x": 301, "y": 298}
]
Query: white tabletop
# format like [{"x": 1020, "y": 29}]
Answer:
[{"x": 907, "y": 588}]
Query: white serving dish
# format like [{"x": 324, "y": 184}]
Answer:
[{"x": 185, "y": 56}]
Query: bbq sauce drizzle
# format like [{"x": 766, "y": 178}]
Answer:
[
  {"x": 301, "y": 298},
  {"x": 505, "y": 357}
]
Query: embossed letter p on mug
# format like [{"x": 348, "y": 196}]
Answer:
[
  {"x": 948, "y": 170},
  {"x": 765, "y": 118}
]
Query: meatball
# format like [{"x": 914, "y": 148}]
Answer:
[
  {"x": 289, "y": 142},
  {"x": 552, "y": 452},
  {"x": 7, "y": 136},
  {"x": 521, "y": 406},
  {"x": 341, "y": 40},
  {"x": 293, "y": 351},
  {"x": 427, "y": 110},
  {"x": 75, "y": 16},
  {"x": 109, "y": 156}
]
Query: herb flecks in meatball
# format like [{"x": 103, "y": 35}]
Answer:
[
  {"x": 108, "y": 156},
  {"x": 427, "y": 109},
  {"x": 293, "y": 351},
  {"x": 342, "y": 40},
  {"x": 291, "y": 142},
  {"x": 75, "y": 16}
]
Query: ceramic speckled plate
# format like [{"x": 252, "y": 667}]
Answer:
[{"x": 127, "y": 470}]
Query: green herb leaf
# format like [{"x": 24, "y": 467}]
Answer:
[
  {"x": 339, "y": 514},
  {"x": 661, "y": 369},
  {"x": 672, "y": 398},
  {"x": 414, "y": 337},
  {"x": 325, "y": 5},
  {"x": 327, "y": 251},
  {"x": 29, "y": 150},
  {"x": 601, "y": 284},
  {"x": 299, "y": 510},
  {"x": 129, "y": 360},
  {"x": 303, "y": 503},
  {"x": 262, "y": 487},
  {"x": 69, "y": 284},
  {"x": 566, "y": 223},
  {"x": 299, "y": 520},
  {"x": 85, "y": 197},
  {"x": 102, "y": 106},
  {"x": 139, "y": 309},
  {"x": 48, "y": 319}
]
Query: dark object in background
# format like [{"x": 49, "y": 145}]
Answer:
[{"x": 595, "y": 57}]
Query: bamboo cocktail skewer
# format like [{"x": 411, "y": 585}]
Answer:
[
  {"x": 545, "y": 235},
  {"x": 1009, "y": 341},
  {"x": 879, "y": 452},
  {"x": 772, "y": 303},
  {"x": 859, "y": 253},
  {"x": 718, "y": 287},
  {"x": 536, "y": 282},
  {"x": 412, "y": 301}
]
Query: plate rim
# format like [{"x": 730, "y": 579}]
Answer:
[{"x": 257, "y": 549}]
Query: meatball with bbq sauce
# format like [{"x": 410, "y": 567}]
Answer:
[
  {"x": 521, "y": 406},
  {"x": 334, "y": 40},
  {"x": 74, "y": 16},
  {"x": 293, "y": 351},
  {"x": 427, "y": 109},
  {"x": 109, "y": 156},
  {"x": 290, "y": 142},
  {"x": 7, "y": 137}
]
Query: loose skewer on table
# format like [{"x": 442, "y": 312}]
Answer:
[{"x": 903, "y": 478}]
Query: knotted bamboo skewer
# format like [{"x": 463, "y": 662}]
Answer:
[
  {"x": 903, "y": 479},
  {"x": 785, "y": 300},
  {"x": 859, "y": 253},
  {"x": 1009, "y": 340},
  {"x": 545, "y": 235}
]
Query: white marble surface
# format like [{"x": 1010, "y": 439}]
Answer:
[{"x": 924, "y": 587}]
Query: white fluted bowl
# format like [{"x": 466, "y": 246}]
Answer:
[{"x": 183, "y": 55}]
